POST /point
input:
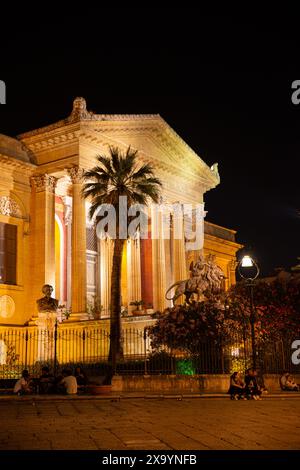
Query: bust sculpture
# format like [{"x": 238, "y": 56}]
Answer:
[{"x": 47, "y": 303}]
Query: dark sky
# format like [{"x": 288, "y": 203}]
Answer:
[{"x": 222, "y": 82}]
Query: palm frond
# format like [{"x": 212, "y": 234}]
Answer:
[
  {"x": 105, "y": 161},
  {"x": 119, "y": 175},
  {"x": 144, "y": 170}
]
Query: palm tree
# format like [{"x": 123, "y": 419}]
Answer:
[{"x": 119, "y": 174}]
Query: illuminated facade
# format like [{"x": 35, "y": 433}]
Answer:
[{"x": 47, "y": 238}]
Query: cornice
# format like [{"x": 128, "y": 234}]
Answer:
[
  {"x": 236, "y": 246},
  {"x": 221, "y": 227},
  {"x": 89, "y": 118},
  {"x": 41, "y": 142},
  {"x": 13, "y": 163}
]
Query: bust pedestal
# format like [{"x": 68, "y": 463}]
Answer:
[{"x": 46, "y": 328}]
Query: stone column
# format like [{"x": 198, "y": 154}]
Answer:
[
  {"x": 158, "y": 259},
  {"x": 78, "y": 273},
  {"x": 134, "y": 291},
  {"x": 106, "y": 258},
  {"x": 179, "y": 254},
  {"x": 68, "y": 222},
  {"x": 42, "y": 245}
]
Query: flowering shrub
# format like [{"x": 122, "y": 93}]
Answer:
[
  {"x": 225, "y": 316},
  {"x": 277, "y": 307},
  {"x": 185, "y": 326}
]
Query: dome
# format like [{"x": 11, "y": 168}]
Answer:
[{"x": 11, "y": 147}]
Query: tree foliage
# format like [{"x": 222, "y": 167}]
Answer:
[
  {"x": 226, "y": 316},
  {"x": 277, "y": 307},
  {"x": 119, "y": 174},
  {"x": 185, "y": 326}
]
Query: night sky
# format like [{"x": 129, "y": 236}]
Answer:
[{"x": 222, "y": 82}]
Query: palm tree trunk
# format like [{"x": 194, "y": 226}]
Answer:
[{"x": 115, "y": 319}]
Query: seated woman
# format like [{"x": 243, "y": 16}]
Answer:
[
  {"x": 288, "y": 383},
  {"x": 252, "y": 388},
  {"x": 237, "y": 387}
]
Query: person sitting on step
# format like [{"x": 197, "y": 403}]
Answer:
[
  {"x": 237, "y": 387},
  {"x": 287, "y": 383}
]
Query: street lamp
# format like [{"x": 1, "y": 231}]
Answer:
[{"x": 249, "y": 270}]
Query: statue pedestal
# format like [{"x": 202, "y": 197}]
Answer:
[
  {"x": 46, "y": 320},
  {"x": 45, "y": 334}
]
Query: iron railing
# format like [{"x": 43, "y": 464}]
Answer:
[{"x": 32, "y": 348}]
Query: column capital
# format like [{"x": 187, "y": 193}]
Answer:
[
  {"x": 76, "y": 174},
  {"x": 43, "y": 183}
]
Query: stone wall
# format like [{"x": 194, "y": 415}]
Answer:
[
  {"x": 209, "y": 383},
  {"x": 212, "y": 383}
]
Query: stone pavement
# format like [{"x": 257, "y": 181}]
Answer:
[{"x": 133, "y": 424}]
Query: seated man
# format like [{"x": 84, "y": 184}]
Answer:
[
  {"x": 288, "y": 383},
  {"x": 22, "y": 386},
  {"x": 68, "y": 384}
]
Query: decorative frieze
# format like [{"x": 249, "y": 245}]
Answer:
[
  {"x": 43, "y": 183},
  {"x": 9, "y": 207}
]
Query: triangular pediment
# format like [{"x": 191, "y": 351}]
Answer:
[{"x": 92, "y": 133}]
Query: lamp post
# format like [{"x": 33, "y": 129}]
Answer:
[{"x": 249, "y": 270}]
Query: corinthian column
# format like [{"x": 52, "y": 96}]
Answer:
[
  {"x": 179, "y": 255},
  {"x": 158, "y": 259},
  {"x": 134, "y": 291},
  {"x": 78, "y": 273},
  {"x": 106, "y": 258},
  {"x": 42, "y": 236}
]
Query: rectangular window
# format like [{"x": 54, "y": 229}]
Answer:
[{"x": 8, "y": 253}]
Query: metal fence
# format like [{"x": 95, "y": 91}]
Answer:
[{"x": 32, "y": 348}]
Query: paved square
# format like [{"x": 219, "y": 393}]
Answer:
[{"x": 150, "y": 424}]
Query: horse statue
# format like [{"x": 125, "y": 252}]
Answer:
[{"x": 206, "y": 276}]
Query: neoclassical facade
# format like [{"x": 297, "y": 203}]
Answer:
[{"x": 46, "y": 236}]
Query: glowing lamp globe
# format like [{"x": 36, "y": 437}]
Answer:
[{"x": 248, "y": 268}]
